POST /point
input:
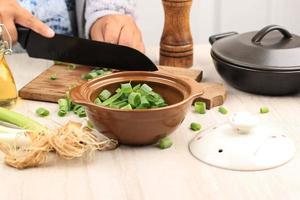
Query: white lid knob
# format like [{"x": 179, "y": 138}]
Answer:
[{"x": 243, "y": 122}]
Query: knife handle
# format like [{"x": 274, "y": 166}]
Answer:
[{"x": 23, "y": 34}]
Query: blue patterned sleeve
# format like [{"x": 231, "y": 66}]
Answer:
[{"x": 96, "y": 9}]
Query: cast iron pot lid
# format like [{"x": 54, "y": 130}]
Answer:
[{"x": 272, "y": 48}]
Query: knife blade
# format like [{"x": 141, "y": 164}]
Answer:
[{"x": 84, "y": 52}]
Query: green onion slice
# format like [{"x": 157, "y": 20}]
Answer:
[
  {"x": 126, "y": 88},
  {"x": 42, "y": 112},
  {"x": 200, "y": 107},
  {"x": 264, "y": 110},
  {"x": 127, "y": 107},
  {"x": 112, "y": 99},
  {"x": 195, "y": 126},
  {"x": 223, "y": 110},
  {"x": 134, "y": 99},
  {"x": 165, "y": 143},
  {"x": 105, "y": 94}
]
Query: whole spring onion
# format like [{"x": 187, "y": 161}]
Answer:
[
  {"x": 5, "y": 129},
  {"x": 140, "y": 96},
  {"x": 13, "y": 136},
  {"x": 21, "y": 121}
]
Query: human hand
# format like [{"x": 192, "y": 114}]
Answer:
[
  {"x": 11, "y": 12},
  {"x": 118, "y": 29}
]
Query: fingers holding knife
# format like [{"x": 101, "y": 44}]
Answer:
[
  {"x": 118, "y": 29},
  {"x": 12, "y": 13}
]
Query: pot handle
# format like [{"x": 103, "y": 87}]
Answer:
[
  {"x": 263, "y": 32},
  {"x": 77, "y": 98},
  {"x": 212, "y": 94},
  {"x": 214, "y": 38}
]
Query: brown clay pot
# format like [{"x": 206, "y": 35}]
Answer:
[{"x": 143, "y": 127}]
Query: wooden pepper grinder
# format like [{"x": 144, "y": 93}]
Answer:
[{"x": 176, "y": 45}]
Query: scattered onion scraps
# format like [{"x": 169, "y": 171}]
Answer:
[
  {"x": 30, "y": 145},
  {"x": 70, "y": 141}
]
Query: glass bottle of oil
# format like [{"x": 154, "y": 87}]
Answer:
[{"x": 8, "y": 91}]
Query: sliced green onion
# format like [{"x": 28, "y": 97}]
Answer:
[
  {"x": 112, "y": 99},
  {"x": 58, "y": 62},
  {"x": 53, "y": 77},
  {"x": 160, "y": 103},
  {"x": 165, "y": 143},
  {"x": 139, "y": 97},
  {"x": 118, "y": 90},
  {"x": 98, "y": 101},
  {"x": 119, "y": 104},
  {"x": 81, "y": 112},
  {"x": 144, "y": 103},
  {"x": 62, "y": 113},
  {"x": 127, "y": 107},
  {"x": 146, "y": 88},
  {"x": 93, "y": 74},
  {"x": 134, "y": 99},
  {"x": 96, "y": 73},
  {"x": 73, "y": 85},
  {"x": 126, "y": 88},
  {"x": 136, "y": 88},
  {"x": 72, "y": 66},
  {"x": 63, "y": 106},
  {"x": 223, "y": 110},
  {"x": 105, "y": 94},
  {"x": 152, "y": 97},
  {"x": 200, "y": 107},
  {"x": 195, "y": 126},
  {"x": 264, "y": 110},
  {"x": 86, "y": 77},
  {"x": 76, "y": 108},
  {"x": 42, "y": 112},
  {"x": 90, "y": 124}
]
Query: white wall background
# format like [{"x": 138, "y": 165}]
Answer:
[{"x": 214, "y": 16}]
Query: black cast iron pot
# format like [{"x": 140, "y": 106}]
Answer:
[{"x": 266, "y": 62}]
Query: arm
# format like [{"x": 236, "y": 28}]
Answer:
[{"x": 113, "y": 21}]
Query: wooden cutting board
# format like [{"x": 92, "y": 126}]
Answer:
[{"x": 43, "y": 89}]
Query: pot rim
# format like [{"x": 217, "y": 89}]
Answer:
[
  {"x": 269, "y": 70},
  {"x": 194, "y": 92}
]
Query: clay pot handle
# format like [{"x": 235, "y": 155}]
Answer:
[
  {"x": 214, "y": 94},
  {"x": 77, "y": 98}
]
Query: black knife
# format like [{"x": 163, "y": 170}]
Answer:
[{"x": 84, "y": 52}]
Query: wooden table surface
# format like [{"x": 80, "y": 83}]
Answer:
[{"x": 148, "y": 173}]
